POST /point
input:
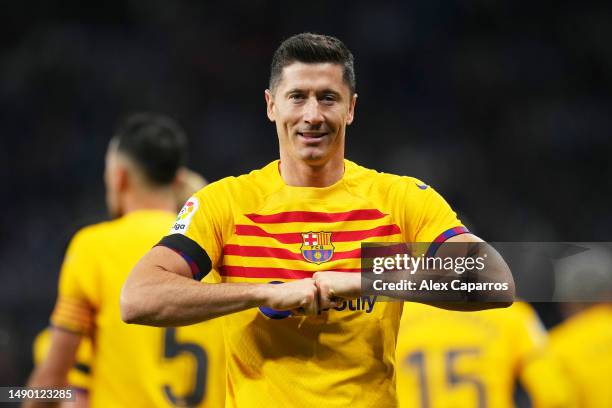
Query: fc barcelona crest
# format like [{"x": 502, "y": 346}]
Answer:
[{"x": 317, "y": 246}]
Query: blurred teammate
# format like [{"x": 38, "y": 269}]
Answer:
[
  {"x": 79, "y": 377},
  {"x": 450, "y": 359},
  {"x": 288, "y": 222},
  {"x": 131, "y": 366},
  {"x": 583, "y": 342}
]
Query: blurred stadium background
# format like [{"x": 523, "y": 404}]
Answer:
[{"x": 504, "y": 107}]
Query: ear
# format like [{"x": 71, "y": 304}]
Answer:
[
  {"x": 270, "y": 105},
  {"x": 122, "y": 179},
  {"x": 351, "y": 112}
]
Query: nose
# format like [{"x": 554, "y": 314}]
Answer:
[{"x": 312, "y": 112}]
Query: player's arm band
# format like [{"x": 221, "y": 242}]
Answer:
[
  {"x": 72, "y": 315},
  {"x": 192, "y": 253},
  {"x": 440, "y": 239}
]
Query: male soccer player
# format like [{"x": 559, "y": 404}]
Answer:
[
  {"x": 186, "y": 183},
  {"x": 131, "y": 366},
  {"x": 453, "y": 359},
  {"x": 583, "y": 342},
  {"x": 285, "y": 224}
]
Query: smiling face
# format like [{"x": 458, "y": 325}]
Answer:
[{"x": 311, "y": 106}]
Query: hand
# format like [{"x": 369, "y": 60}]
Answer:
[
  {"x": 299, "y": 296},
  {"x": 334, "y": 287}
]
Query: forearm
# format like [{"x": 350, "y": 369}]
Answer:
[
  {"x": 444, "y": 290},
  {"x": 45, "y": 378},
  {"x": 52, "y": 372},
  {"x": 441, "y": 290},
  {"x": 160, "y": 292},
  {"x": 487, "y": 282},
  {"x": 468, "y": 306},
  {"x": 161, "y": 298}
]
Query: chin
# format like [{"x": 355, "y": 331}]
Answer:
[
  {"x": 312, "y": 153},
  {"x": 313, "y": 158}
]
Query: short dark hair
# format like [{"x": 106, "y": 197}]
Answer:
[
  {"x": 156, "y": 144},
  {"x": 312, "y": 48}
]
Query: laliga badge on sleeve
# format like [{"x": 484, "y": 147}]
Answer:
[{"x": 184, "y": 216}]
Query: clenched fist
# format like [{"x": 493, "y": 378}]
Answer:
[
  {"x": 300, "y": 296},
  {"x": 334, "y": 287}
]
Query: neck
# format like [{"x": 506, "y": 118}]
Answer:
[
  {"x": 298, "y": 173},
  {"x": 159, "y": 199}
]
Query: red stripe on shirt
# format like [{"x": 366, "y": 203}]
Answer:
[
  {"x": 280, "y": 253},
  {"x": 273, "y": 273},
  {"x": 312, "y": 216},
  {"x": 337, "y": 236}
]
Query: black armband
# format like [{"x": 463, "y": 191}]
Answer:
[{"x": 192, "y": 253}]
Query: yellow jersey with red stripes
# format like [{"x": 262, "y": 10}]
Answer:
[
  {"x": 255, "y": 228},
  {"x": 132, "y": 365},
  {"x": 583, "y": 345},
  {"x": 457, "y": 359}
]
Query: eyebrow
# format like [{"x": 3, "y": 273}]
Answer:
[
  {"x": 294, "y": 90},
  {"x": 324, "y": 91}
]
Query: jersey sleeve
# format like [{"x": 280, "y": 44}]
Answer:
[
  {"x": 78, "y": 296},
  {"x": 196, "y": 234},
  {"x": 427, "y": 216}
]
